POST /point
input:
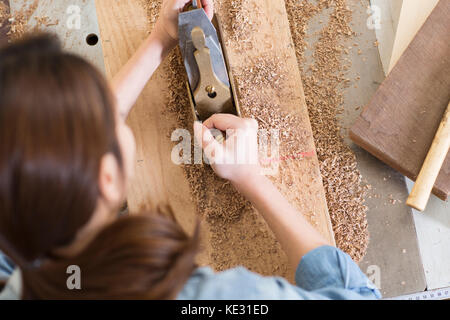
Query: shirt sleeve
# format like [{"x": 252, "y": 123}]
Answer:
[
  {"x": 328, "y": 270},
  {"x": 6, "y": 267},
  {"x": 323, "y": 273}
]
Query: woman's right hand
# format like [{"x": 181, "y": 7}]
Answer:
[
  {"x": 291, "y": 228},
  {"x": 236, "y": 159}
]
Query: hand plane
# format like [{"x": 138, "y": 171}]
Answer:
[{"x": 209, "y": 87}]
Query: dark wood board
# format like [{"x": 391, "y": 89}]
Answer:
[
  {"x": 4, "y": 28},
  {"x": 399, "y": 123}
]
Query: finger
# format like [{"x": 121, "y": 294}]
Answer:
[
  {"x": 208, "y": 6},
  {"x": 203, "y": 135},
  {"x": 212, "y": 149},
  {"x": 224, "y": 121}
]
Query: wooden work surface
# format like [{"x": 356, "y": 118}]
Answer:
[
  {"x": 393, "y": 246},
  {"x": 272, "y": 37},
  {"x": 399, "y": 124},
  {"x": 123, "y": 26}
]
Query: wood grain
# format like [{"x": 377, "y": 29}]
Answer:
[
  {"x": 399, "y": 124},
  {"x": 123, "y": 26},
  {"x": 273, "y": 36},
  {"x": 412, "y": 16}
]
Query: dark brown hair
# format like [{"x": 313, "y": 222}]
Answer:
[{"x": 57, "y": 121}]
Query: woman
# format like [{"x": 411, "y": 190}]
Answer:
[{"x": 66, "y": 156}]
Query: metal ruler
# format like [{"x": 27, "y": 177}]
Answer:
[
  {"x": 74, "y": 21},
  {"x": 438, "y": 294}
]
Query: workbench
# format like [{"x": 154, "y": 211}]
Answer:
[{"x": 408, "y": 252}]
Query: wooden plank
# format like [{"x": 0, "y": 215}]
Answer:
[
  {"x": 433, "y": 233},
  {"x": 413, "y": 15},
  {"x": 123, "y": 26},
  {"x": 273, "y": 35},
  {"x": 389, "y": 14},
  {"x": 400, "y": 122}
]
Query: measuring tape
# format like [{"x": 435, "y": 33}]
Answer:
[{"x": 438, "y": 294}]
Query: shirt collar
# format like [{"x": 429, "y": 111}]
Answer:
[{"x": 13, "y": 288}]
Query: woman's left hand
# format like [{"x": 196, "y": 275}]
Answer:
[{"x": 168, "y": 19}]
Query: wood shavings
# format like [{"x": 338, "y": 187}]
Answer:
[
  {"x": 242, "y": 20},
  {"x": 237, "y": 233},
  {"x": 4, "y": 13},
  {"x": 19, "y": 21},
  {"x": 152, "y": 8},
  {"x": 258, "y": 84},
  {"x": 393, "y": 201},
  {"x": 45, "y": 21},
  {"x": 224, "y": 208},
  {"x": 323, "y": 89},
  {"x": 228, "y": 205}
]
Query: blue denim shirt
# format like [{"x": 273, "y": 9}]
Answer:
[
  {"x": 323, "y": 273},
  {"x": 6, "y": 267}
]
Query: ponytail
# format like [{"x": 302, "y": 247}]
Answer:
[{"x": 136, "y": 257}]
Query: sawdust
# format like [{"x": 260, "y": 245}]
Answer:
[
  {"x": 237, "y": 232},
  {"x": 324, "y": 85},
  {"x": 240, "y": 22},
  {"x": 215, "y": 198},
  {"x": 152, "y": 8},
  {"x": 20, "y": 21},
  {"x": 269, "y": 71},
  {"x": 4, "y": 13},
  {"x": 228, "y": 204},
  {"x": 324, "y": 82}
]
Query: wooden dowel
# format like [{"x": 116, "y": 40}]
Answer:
[{"x": 421, "y": 191}]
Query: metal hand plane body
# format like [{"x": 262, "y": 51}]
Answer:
[{"x": 209, "y": 86}]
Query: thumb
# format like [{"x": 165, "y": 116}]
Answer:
[{"x": 203, "y": 135}]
